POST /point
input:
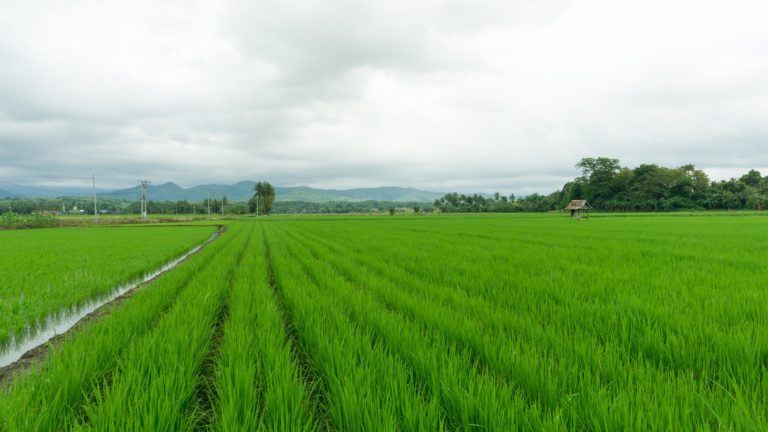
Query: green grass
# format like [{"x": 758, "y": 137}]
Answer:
[
  {"x": 159, "y": 382},
  {"x": 258, "y": 382},
  {"x": 51, "y": 396},
  {"x": 590, "y": 322},
  {"x": 358, "y": 375},
  {"x": 444, "y": 322},
  {"x": 46, "y": 271}
]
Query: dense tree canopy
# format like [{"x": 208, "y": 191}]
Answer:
[
  {"x": 263, "y": 198},
  {"x": 648, "y": 187}
]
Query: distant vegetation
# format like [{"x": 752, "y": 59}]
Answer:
[
  {"x": 263, "y": 198},
  {"x": 13, "y": 221},
  {"x": 243, "y": 191},
  {"x": 275, "y": 200},
  {"x": 604, "y": 183},
  {"x": 28, "y": 206},
  {"x": 609, "y": 186},
  {"x": 338, "y": 207}
]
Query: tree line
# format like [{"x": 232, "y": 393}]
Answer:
[
  {"x": 27, "y": 206},
  {"x": 603, "y": 182},
  {"x": 339, "y": 207},
  {"x": 609, "y": 186},
  {"x": 77, "y": 205},
  {"x": 263, "y": 200}
]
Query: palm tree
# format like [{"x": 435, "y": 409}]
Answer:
[{"x": 263, "y": 197}]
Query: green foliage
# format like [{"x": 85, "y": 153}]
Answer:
[
  {"x": 158, "y": 383},
  {"x": 300, "y": 207},
  {"x": 12, "y": 220},
  {"x": 52, "y": 398},
  {"x": 48, "y": 270},
  {"x": 358, "y": 374},
  {"x": 493, "y": 322},
  {"x": 263, "y": 198},
  {"x": 608, "y": 186},
  {"x": 652, "y": 187},
  {"x": 509, "y": 325},
  {"x": 28, "y": 206},
  {"x": 259, "y": 387},
  {"x": 476, "y": 203}
]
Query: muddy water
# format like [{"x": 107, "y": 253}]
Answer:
[{"x": 63, "y": 321}]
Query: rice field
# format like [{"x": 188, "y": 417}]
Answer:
[
  {"x": 521, "y": 322},
  {"x": 46, "y": 271}
]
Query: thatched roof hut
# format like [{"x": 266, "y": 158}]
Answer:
[{"x": 578, "y": 208}]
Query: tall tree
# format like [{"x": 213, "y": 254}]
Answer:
[
  {"x": 263, "y": 198},
  {"x": 752, "y": 178},
  {"x": 598, "y": 175}
]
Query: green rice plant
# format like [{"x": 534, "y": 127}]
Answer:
[
  {"x": 51, "y": 395},
  {"x": 49, "y": 271},
  {"x": 364, "y": 387},
  {"x": 443, "y": 322},
  {"x": 469, "y": 398},
  {"x": 598, "y": 346},
  {"x": 258, "y": 383},
  {"x": 457, "y": 323},
  {"x": 157, "y": 381}
]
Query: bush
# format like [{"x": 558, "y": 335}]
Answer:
[{"x": 13, "y": 221}]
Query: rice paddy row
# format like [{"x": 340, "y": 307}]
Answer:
[
  {"x": 47, "y": 271},
  {"x": 501, "y": 323}
]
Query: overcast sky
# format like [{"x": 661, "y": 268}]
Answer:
[{"x": 474, "y": 95}]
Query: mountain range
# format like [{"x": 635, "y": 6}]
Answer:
[
  {"x": 17, "y": 191},
  {"x": 242, "y": 191},
  {"x": 5, "y": 194}
]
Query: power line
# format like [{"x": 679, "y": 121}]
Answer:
[
  {"x": 144, "y": 184},
  {"x": 44, "y": 190},
  {"x": 95, "y": 214}
]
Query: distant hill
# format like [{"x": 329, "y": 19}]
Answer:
[
  {"x": 5, "y": 194},
  {"x": 242, "y": 191},
  {"x": 47, "y": 192}
]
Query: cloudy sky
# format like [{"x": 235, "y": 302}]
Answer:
[{"x": 467, "y": 95}]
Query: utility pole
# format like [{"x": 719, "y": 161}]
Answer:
[
  {"x": 222, "y": 205},
  {"x": 209, "y": 204},
  {"x": 144, "y": 184},
  {"x": 95, "y": 214}
]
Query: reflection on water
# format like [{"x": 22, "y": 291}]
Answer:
[{"x": 65, "y": 320}]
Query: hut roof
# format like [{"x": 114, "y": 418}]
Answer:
[{"x": 578, "y": 205}]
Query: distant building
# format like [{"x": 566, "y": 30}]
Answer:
[{"x": 578, "y": 209}]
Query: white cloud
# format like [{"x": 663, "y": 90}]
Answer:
[{"x": 468, "y": 95}]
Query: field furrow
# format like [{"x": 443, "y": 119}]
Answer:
[
  {"x": 51, "y": 396},
  {"x": 155, "y": 385},
  {"x": 597, "y": 368},
  {"x": 50, "y": 271},
  {"x": 469, "y": 398},
  {"x": 258, "y": 384},
  {"x": 359, "y": 376},
  {"x": 492, "y": 323},
  {"x": 206, "y": 396}
]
